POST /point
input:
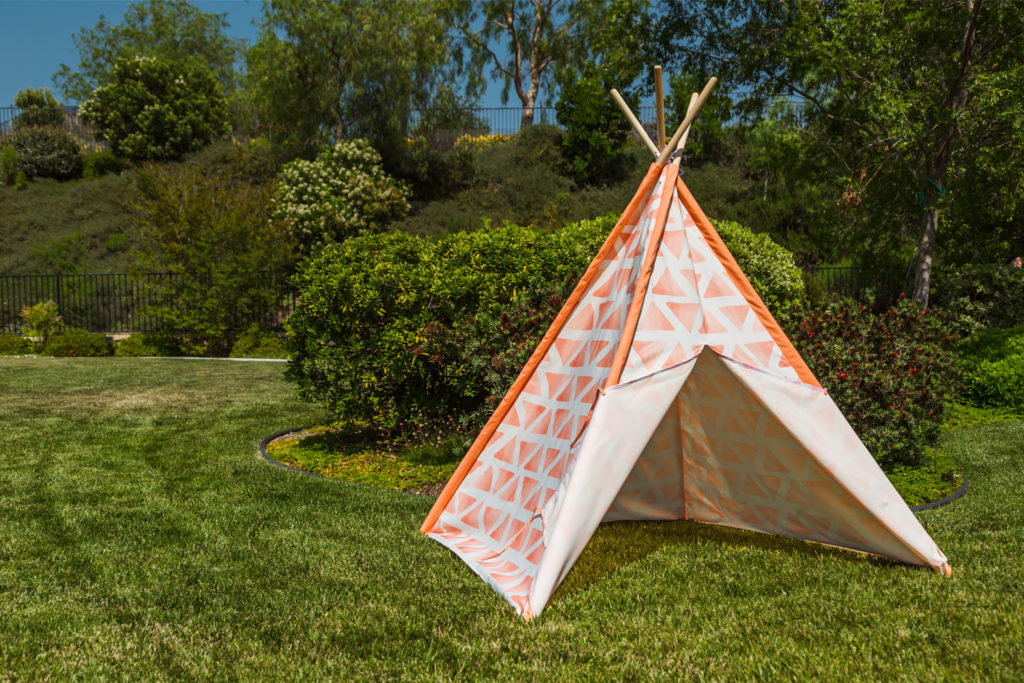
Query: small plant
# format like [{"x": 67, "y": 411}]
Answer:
[
  {"x": 8, "y": 165},
  {"x": 75, "y": 342},
  {"x": 258, "y": 342},
  {"x": 139, "y": 344},
  {"x": 97, "y": 164},
  {"x": 21, "y": 181},
  {"x": 46, "y": 153},
  {"x": 15, "y": 345},
  {"x": 41, "y": 320}
]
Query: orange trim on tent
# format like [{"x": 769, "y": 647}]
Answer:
[
  {"x": 640, "y": 292},
  {"x": 743, "y": 284},
  {"x": 653, "y": 173}
]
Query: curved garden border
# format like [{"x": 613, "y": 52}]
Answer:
[
  {"x": 263, "y": 452},
  {"x": 267, "y": 440}
]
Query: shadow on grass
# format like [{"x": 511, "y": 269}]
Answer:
[{"x": 616, "y": 545}]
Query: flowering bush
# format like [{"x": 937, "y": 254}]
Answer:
[
  {"x": 479, "y": 143},
  {"x": 46, "y": 153},
  {"x": 156, "y": 109},
  {"x": 344, "y": 192},
  {"x": 891, "y": 374}
]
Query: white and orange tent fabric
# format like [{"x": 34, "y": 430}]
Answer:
[{"x": 663, "y": 390}]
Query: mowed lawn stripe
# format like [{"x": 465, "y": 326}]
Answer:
[{"x": 141, "y": 536}]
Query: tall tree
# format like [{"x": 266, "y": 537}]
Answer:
[
  {"x": 916, "y": 102},
  {"x": 346, "y": 68},
  {"x": 525, "y": 42},
  {"x": 174, "y": 30}
]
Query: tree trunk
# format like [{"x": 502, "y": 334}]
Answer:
[
  {"x": 925, "y": 249},
  {"x": 527, "y": 119}
]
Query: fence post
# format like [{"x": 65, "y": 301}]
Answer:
[{"x": 60, "y": 296}]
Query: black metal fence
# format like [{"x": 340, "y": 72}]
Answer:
[
  {"x": 84, "y": 133},
  {"x": 508, "y": 120},
  {"x": 479, "y": 121},
  {"x": 117, "y": 303},
  {"x": 857, "y": 283}
]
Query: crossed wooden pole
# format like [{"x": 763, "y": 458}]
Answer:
[{"x": 661, "y": 150}]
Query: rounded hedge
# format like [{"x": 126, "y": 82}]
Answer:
[
  {"x": 75, "y": 342},
  {"x": 157, "y": 110},
  {"x": 46, "y": 153}
]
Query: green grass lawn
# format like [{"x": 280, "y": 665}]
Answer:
[{"x": 142, "y": 537}]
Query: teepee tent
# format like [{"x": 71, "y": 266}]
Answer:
[{"x": 663, "y": 390}]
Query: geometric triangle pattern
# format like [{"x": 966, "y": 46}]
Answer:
[
  {"x": 491, "y": 522},
  {"x": 692, "y": 302},
  {"x": 677, "y": 399},
  {"x": 724, "y": 455}
]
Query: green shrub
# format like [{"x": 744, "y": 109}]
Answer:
[
  {"x": 256, "y": 162},
  {"x": 157, "y": 110},
  {"x": 982, "y": 296},
  {"x": 224, "y": 256},
  {"x": 46, "y": 153},
  {"x": 20, "y": 181},
  {"x": 432, "y": 174},
  {"x": 75, "y": 342},
  {"x": 8, "y": 165},
  {"x": 97, "y": 164},
  {"x": 417, "y": 334},
  {"x": 139, "y": 344},
  {"x": 540, "y": 145},
  {"x": 41, "y": 320},
  {"x": 771, "y": 269},
  {"x": 258, "y": 342},
  {"x": 15, "y": 345},
  {"x": 994, "y": 369},
  {"x": 344, "y": 192},
  {"x": 357, "y": 337},
  {"x": 892, "y": 374},
  {"x": 39, "y": 108},
  {"x": 595, "y": 130}
]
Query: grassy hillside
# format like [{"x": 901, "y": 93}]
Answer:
[
  {"x": 84, "y": 226},
  {"x": 77, "y": 226}
]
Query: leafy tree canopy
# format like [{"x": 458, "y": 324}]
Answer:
[
  {"x": 917, "y": 105},
  {"x": 346, "y": 68},
  {"x": 174, "y": 30},
  {"x": 527, "y": 42}
]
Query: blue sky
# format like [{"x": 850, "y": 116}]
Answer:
[{"x": 36, "y": 37}]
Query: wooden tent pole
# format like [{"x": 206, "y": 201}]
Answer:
[
  {"x": 659, "y": 101},
  {"x": 686, "y": 133},
  {"x": 667, "y": 152},
  {"x": 644, "y": 137}
]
